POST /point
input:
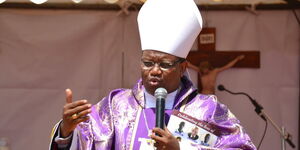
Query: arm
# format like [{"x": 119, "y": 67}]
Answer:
[
  {"x": 231, "y": 63},
  {"x": 73, "y": 114},
  {"x": 91, "y": 125},
  {"x": 60, "y": 143},
  {"x": 192, "y": 67}
]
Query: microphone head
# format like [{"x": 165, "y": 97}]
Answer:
[
  {"x": 221, "y": 87},
  {"x": 160, "y": 93}
]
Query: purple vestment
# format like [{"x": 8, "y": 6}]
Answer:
[{"x": 117, "y": 122}]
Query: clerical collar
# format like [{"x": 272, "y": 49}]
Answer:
[{"x": 151, "y": 100}]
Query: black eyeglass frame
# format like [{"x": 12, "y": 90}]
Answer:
[{"x": 165, "y": 65}]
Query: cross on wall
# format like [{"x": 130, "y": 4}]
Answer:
[{"x": 207, "y": 52}]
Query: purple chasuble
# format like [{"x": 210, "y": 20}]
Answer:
[{"x": 117, "y": 122}]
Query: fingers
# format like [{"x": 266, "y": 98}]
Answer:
[
  {"x": 83, "y": 113},
  {"x": 73, "y": 110},
  {"x": 160, "y": 132},
  {"x": 166, "y": 140},
  {"x": 75, "y": 104},
  {"x": 159, "y": 146},
  {"x": 81, "y": 119},
  {"x": 68, "y": 96},
  {"x": 74, "y": 113},
  {"x": 158, "y": 139},
  {"x": 167, "y": 130},
  {"x": 80, "y": 108}
]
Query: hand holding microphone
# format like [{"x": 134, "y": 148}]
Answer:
[{"x": 162, "y": 136}]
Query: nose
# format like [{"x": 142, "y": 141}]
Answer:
[{"x": 155, "y": 70}]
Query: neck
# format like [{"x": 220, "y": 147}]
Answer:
[{"x": 150, "y": 100}]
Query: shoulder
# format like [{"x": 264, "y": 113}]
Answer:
[
  {"x": 114, "y": 96},
  {"x": 120, "y": 93},
  {"x": 115, "y": 103},
  {"x": 220, "y": 113},
  {"x": 201, "y": 106},
  {"x": 211, "y": 108},
  {"x": 206, "y": 99}
]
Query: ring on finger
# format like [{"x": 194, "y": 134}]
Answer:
[{"x": 74, "y": 116}]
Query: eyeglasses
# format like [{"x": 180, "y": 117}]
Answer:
[{"x": 162, "y": 65}]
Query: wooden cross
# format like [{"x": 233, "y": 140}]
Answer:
[{"x": 206, "y": 52}]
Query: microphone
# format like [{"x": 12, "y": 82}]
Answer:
[
  {"x": 259, "y": 110},
  {"x": 221, "y": 87},
  {"x": 160, "y": 94}
]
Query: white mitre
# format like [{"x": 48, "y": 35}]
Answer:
[{"x": 169, "y": 26}]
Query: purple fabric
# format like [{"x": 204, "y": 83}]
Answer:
[
  {"x": 142, "y": 128},
  {"x": 113, "y": 120}
]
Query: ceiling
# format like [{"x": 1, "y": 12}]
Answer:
[
  {"x": 210, "y": 2},
  {"x": 102, "y": 4},
  {"x": 234, "y": 2}
]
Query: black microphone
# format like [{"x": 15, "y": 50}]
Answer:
[
  {"x": 221, "y": 87},
  {"x": 258, "y": 107},
  {"x": 160, "y": 95}
]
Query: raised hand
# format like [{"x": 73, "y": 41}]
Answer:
[
  {"x": 73, "y": 113},
  {"x": 166, "y": 141}
]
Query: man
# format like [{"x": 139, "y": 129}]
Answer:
[
  {"x": 206, "y": 139},
  {"x": 194, "y": 134},
  {"x": 125, "y": 119},
  {"x": 180, "y": 128}
]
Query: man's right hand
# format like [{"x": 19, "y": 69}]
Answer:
[{"x": 73, "y": 113}]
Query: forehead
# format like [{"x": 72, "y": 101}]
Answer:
[{"x": 152, "y": 54}]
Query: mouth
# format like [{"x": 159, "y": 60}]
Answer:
[{"x": 154, "y": 81}]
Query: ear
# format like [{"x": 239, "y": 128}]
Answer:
[{"x": 183, "y": 67}]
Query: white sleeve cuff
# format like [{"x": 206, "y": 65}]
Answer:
[{"x": 62, "y": 142}]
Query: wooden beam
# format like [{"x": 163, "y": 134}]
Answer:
[
  {"x": 220, "y": 58},
  {"x": 79, "y": 6},
  {"x": 299, "y": 110},
  {"x": 251, "y": 60},
  {"x": 67, "y": 6}
]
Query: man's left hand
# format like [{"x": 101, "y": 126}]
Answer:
[{"x": 166, "y": 141}]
